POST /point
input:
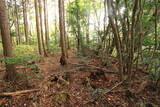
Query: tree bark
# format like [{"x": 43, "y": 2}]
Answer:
[
  {"x": 65, "y": 35},
  {"x": 38, "y": 27},
  {"x": 17, "y": 23},
  {"x": 116, "y": 36},
  {"x": 41, "y": 27},
  {"x": 63, "y": 59},
  {"x": 46, "y": 23},
  {"x": 24, "y": 4},
  {"x": 6, "y": 41}
]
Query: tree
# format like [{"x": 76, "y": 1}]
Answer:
[
  {"x": 38, "y": 27},
  {"x": 6, "y": 41},
  {"x": 116, "y": 36},
  {"x": 46, "y": 23},
  {"x": 41, "y": 27},
  {"x": 17, "y": 23},
  {"x": 63, "y": 59},
  {"x": 24, "y": 4}
]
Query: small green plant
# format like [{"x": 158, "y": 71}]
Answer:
[
  {"x": 19, "y": 59},
  {"x": 33, "y": 67},
  {"x": 153, "y": 63},
  {"x": 23, "y": 50},
  {"x": 1, "y": 49},
  {"x": 54, "y": 47},
  {"x": 82, "y": 60}
]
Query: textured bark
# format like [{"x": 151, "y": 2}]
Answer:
[
  {"x": 46, "y": 23},
  {"x": 24, "y": 4},
  {"x": 6, "y": 41},
  {"x": 65, "y": 35},
  {"x": 63, "y": 59},
  {"x": 38, "y": 27},
  {"x": 79, "y": 36},
  {"x": 87, "y": 30},
  {"x": 41, "y": 27},
  {"x": 116, "y": 36},
  {"x": 131, "y": 52},
  {"x": 17, "y": 23}
]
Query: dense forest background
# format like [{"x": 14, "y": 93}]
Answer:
[{"x": 111, "y": 46}]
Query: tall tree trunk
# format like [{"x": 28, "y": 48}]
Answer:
[
  {"x": 87, "y": 30},
  {"x": 131, "y": 52},
  {"x": 65, "y": 35},
  {"x": 46, "y": 23},
  {"x": 116, "y": 36},
  {"x": 38, "y": 27},
  {"x": 155, "y": 21},
  {"x": 55, "y": 30},
  {"x": 41, "y": 27},
  {"x": 6, "y": 41},
  {"x": 63, "y": 59},
  {"x": 79, "y": 36},
  {"x": 24, "y": 4},
  {"x": 17, "y": 23}
]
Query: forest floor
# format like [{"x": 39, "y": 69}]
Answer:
[{"x": 83, "y": 82}]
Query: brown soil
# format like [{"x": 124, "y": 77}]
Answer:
[{"x": 78, "y": 85}]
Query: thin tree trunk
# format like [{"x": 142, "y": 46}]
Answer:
[
  {"x": 63, "y": 59},
  {"x": 41, "y": 27},
  {"x": 87, "y": 30},
  {"x": 38, "y": 27},
  {"x": 24, "y": 4},
  {"x": 65, "y": 35},
  {"x": 131, "y": 52},
  {"x": 17, "y": 23},
  {"x": 116, "y": 36},
  {"x": 6, "y": 41},
  {"x": 46, "y": 23}
]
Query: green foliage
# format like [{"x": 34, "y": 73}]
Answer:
[
  {"x": 152, "y": 62},
  {"x": 20, "y": 75},
  {"x": 148, "y": 41},
  {"x": 33, "y": 67},
  {"x": 1, "y": 50},
  {"x": 13, "y": 33},
  {"x": 53, "y": 47},
  {"x": 23, "y": 50},
  {"x": 82, "y": 60},
  {"x": 19, "y": 59}
]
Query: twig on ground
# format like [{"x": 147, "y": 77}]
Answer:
[
  {"x": 11, "y": 94},
  {"x": 114, "y": 87}
]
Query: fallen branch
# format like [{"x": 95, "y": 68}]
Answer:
[
  {"x": 114, "y": 87},
  {"x": 94, "y": 67},
  {"x": 11, "y": 94}
]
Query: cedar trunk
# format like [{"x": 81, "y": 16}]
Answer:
[
  {"x": 63, "y": 59},
  {"x": 41, "y": 27},
  {"x": 6, "y": 41},
  {"x": 24, "y": 2},
  {"x": 38, "y": 27},
  {"x": 46, "y": 23}
]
